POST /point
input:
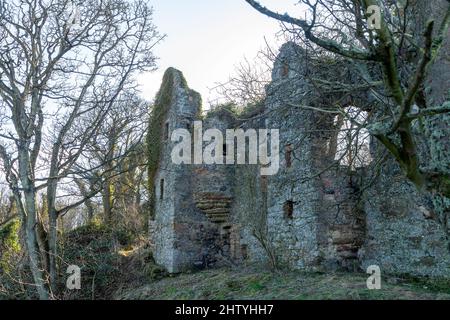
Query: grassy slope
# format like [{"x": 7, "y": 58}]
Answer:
[
  {"x": 251, "y": 284},
  {"x": 114, "y": 265}
]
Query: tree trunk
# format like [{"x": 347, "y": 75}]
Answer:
[
  {"x": 53, "y": 249},
  {"x": 42, "y": 241},
  {"x": 107, "y": 201},
  {"x": 31, "y": 222},
  {"x": 85, "y": 194},
  {"x": 53, "y": 217},
  {"x": 52, "y": 234}
]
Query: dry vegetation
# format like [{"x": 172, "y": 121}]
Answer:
[{"x": 252, "y": 284}]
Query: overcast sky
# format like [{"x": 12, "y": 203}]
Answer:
[{"x": 206, "y": 38}]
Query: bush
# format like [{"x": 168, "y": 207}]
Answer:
[
  {"x": 110, "y": 258},
  {"x": 14, "y": 270},
  {"x": 9, "y": 245},
  {"x": 93, "y": 249}
]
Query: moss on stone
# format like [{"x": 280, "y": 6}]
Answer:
[
  {"x": 224, "y": 111},
  {"x": 155, "y": 130},
  {"x": 237, "y": 113},
  {"x": 161, "y": 107}
]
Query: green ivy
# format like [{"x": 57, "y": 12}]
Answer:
[
  {"x": 9, "y": 244},
  {"x": 231, "y": 110},
  {"x": 155, "y": 130},
  {"x": 158, "y": 116}
]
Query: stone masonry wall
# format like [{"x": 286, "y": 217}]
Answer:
[
  {"x": 401, "y": 234},
  {"x": 176, "y": 221},
  {"x": 313, "y": 218},
  {"x": 313, "y": 214}
]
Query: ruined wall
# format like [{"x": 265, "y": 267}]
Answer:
[
  {"x": 342, "y": 220},
  {"x": 192, "y": 223},
  {"x": 313, "y": 214},
  {"x": 438, "y": 81},
  {"x": 176, "y": 237},
  {"x": 312, "y": 218},
  {"x": 249, "y": 212},
  {"x": 333, "y": 224},
  {"x": 437, "y": 89},
  {"x": 291, "y": 202},
  {"x": 214, "y": 195},
  {"x": 403, "y": 234}
]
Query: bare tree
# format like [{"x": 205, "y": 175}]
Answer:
[
  {"x": 61, "y": 64},
  {"x": 114, "y": 159},
  {"x": 247, "y": 84},
  {"x": 391, "y": 55}
]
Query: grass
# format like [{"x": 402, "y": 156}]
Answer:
[
  {"x": 249, "y": 284},
  {"x": 117, "y": 266}
]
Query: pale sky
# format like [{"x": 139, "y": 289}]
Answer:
[{"x": 207, "y": 38}]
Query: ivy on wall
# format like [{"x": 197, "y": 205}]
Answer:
[
  {"x": 9, "y": 243},
  {"x": 161, "y": 107},
  {"x": 155, "y": 131}
]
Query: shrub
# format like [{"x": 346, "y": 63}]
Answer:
[{"x": 9, "y": 244}]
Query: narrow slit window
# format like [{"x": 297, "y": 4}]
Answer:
[
  {"x": 288, "y": 155},
  {"x": 244, "y": 251},
  {"x": 264, "y": 184},
  {"x": 288, "y": 209},
  {"x": 224, "y": 149},
  {"x": 166, "y": 131},
  {"x": 285, "y": 70},
  {"x": 161, "y": 189}
]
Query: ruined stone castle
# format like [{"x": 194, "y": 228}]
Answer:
[{"x": 313, "y": 214}]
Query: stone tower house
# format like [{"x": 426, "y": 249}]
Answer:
[
  {"x": 173, "y": 219},
  {"x": 310, "y": 215},
  {"x": 191, "y": 222}
]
